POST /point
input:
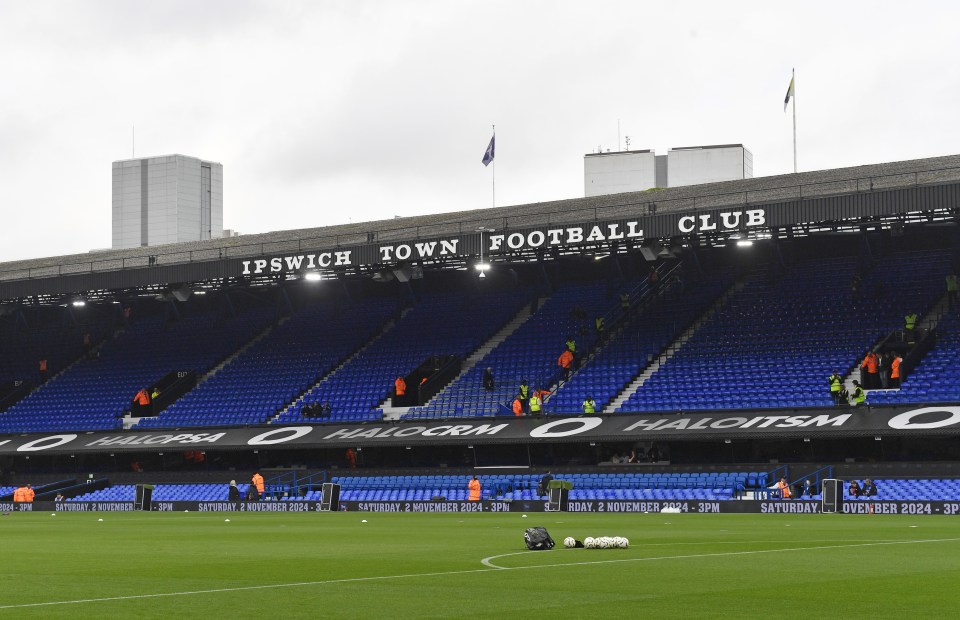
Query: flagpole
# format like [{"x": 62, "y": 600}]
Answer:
[
  {"x": 793, "y": 78},
  {"x": 493, "y": 189}
]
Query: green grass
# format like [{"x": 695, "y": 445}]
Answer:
[{"x": 429, "y": 565}]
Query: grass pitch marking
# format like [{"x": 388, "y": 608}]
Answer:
[{"x": 486, "y": 561}]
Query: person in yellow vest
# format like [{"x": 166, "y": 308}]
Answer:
[
  {"x": 859, "y": 396},
  {"x": 572, "y": 347},
  {"x": 536, "y": 405},
  {"x": 257, "y": 481},
  {"x": 474, "y": 487},
  {"x": 835, "y": 384},
  {"x": 952, "y": 290},
  {"x": 909, "y": 326},
  {"x": 598, "y": 322},
  {"x": 524, "y": 395},
  {"x": 589, "y": 406}
]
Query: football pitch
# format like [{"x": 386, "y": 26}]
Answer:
[{"x": 163, "y": 565}]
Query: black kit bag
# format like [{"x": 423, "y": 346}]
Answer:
[{"x": 538, "y": 539}]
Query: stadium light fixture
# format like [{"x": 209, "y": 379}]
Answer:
[
  {"x": 744, "y": 243},
  {"x": 482, "y": 267},
  {"x": 312, "y": 276},
  {"x": 78, "y": 303}
]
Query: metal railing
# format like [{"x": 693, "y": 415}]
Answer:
[{"x": 293, "y": 484}]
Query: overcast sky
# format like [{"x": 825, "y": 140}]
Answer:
[{"x": 328, "y": 112}]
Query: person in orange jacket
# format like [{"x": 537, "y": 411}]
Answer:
[
  {"x": 18, "y": 495},
  {"x": 871, "y": 380},
  {"x": 566, "y": 362},
  {"x": 784, "y": 489},
  {"x": 141, "y": 402},
  {"x": 895, "y": 371},
  {"x": 28, "y": 494},
  {"x": 474, "y": 487},
  {"x": 517, "y": 406},
  {"x": 257, "y": 481},
  {"x": 400, "y": 386}
]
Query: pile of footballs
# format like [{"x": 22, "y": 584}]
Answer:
[{"x": 600, "y": 542}]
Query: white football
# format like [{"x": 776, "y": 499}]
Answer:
[
  {"x": 569, "y": 542},
  {"x": 604, "y": 542},
  {"x": 589, "y": 542},
  {"x": 626, "y": 542}
]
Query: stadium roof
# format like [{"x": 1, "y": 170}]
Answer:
[{"x": 850, "y": 194}]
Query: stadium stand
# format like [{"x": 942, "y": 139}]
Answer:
[
  {"x": 936, "y": 378},
  {"x": 439, "y": 324},
  {"x": 55, "y": 333},
  {"x": 747, "y": 328},
  {"x": 643, "y": 338},
  {"x": 94, "y": 394},
  {"x": 529, "y": 353},
  {"x": 523, "y": 487},
  {"x": 773, "y": 343},
  {"x": 262, "y": 380}
]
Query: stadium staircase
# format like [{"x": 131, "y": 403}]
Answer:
[
  {"x": 93, "y": 394},
  {"x": 673, "y": 347},
  {"x": 131, "y": 422},
  {"x": 617, "y": 321},
  {"x": 240, "y": 351},
  {"x": 392, "y": 413},
  {"x": 448, "y": 323},
  {"x": 299, "y": 402},
  {"x": 773, "y": 344},
  {"x": 529, "y": 353},
  {"x": 279, "y": 368},
  {"x": 924, "y": 271}
]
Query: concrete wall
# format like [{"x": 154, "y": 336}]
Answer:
[
  {"x": 156, "y": 201},
  {"x": 615, "y": 173},
  {"x": 695, "y": 166}
]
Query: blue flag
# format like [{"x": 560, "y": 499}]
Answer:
[{"x": 488, "y": 155}]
